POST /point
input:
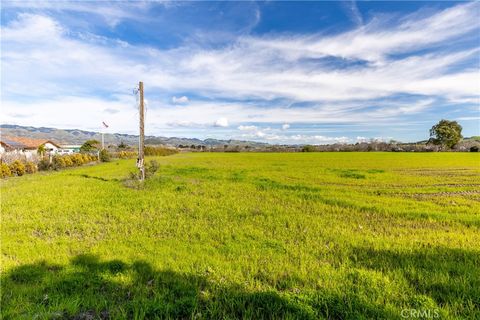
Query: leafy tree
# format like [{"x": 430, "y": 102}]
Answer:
[
  {"x": 122, "y": 145},
  {"x": 41, "y": 150},
  {"x": 446, "y": 133},
  {"x": 104, "y": 156},
  {"x": 90, "y": 145},
  {"x": 308, "y": 148}
]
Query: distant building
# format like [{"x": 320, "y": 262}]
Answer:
[
  {"x": 69, "y": 149},
  {"x": 8, "y": 145},
  {"x": 27, "y": 146}
]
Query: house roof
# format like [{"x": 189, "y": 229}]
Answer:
[
  {"x": 11, "y": 143},
  {"x": 25, "y": 143}
]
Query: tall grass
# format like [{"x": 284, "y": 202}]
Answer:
[{"x": 252, "y": 236}]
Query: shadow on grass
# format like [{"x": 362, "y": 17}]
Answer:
[
  {"x": 451, "y": 277},
  {"x": 266, "y": 184},
  {"x": 88, "y": 288},
  {"x": 92, "y": 289},
  {"x": 84, "y": 175}
]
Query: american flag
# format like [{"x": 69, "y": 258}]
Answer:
[{"x": 104, "y": 124}]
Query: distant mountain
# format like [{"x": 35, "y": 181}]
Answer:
[{"x": 76, "y": 136}]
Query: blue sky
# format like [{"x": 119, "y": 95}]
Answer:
[{"x": 279, "y": 72}]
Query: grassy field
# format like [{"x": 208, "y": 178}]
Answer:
[{"x": 245, "y": 235}]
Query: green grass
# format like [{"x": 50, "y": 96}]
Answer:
[{"x": 245, "y": 235}]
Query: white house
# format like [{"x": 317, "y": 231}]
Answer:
[{"x": 27, "y": 146}]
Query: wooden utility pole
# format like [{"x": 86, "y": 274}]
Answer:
[{"x": 141, "y": 142}]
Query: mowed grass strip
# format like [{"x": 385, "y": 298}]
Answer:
[{"x": 246, "y": 236}]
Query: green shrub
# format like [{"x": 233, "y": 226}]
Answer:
[
  {"x": 5, "y": 171},
  {"x": 44, "y": 165},
  {"x": 77, "y": 159},
  {"x": 74, "y": 160},
  {"x": 30, "y": 167},
  {"x": 86, "y": 158},
  {"x": 17, "y": 168},
  {"x": 68, "y": 161},
  {"x": 59, "y": 162},
  {"x": 127, "y": 154},
  {"x": 308, "y": 148},
  {"x": 133, "y": 179},
  {"x": 104, "y": 156},
  {"x": 159, "y": 151},
  {"x": 150, "y": 168},
  {"x": 79, "y": 156}
]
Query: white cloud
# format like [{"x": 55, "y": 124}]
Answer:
[
  {"x": 111, "y": 111},
  {"x": 110, "y": 12},
  {"x": 46, "y": 67},
  {"x": 277, "y": 136},
  {"x": 247, "y": 128},
  {"x": 382, "y": 139},
  {"x": 354, "y": 13},
  {"x": 261, "y": 134},
  {"x": 251, "y": 68},
  {"x": 468, "y": 118},
  {"x": 294, "y": 139},
  {"x": 222, "y": 122},
  {"x": 83, "y": 113},
  {"x": 375, "y": 139},
  {"x": 182, "y": 99},
  {"x": 376, "y": 40},
  {"x": 185, "y": 124},
  {"x": 285, "y": 126}
]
